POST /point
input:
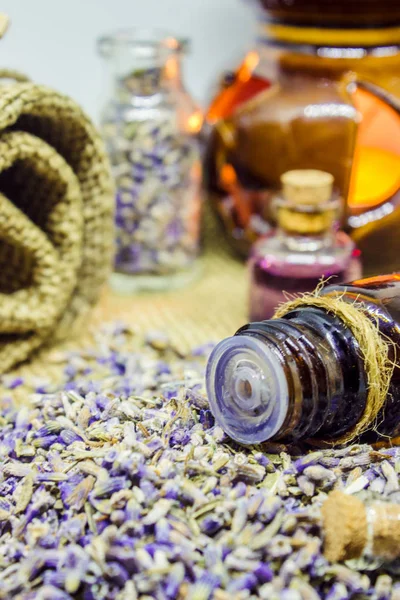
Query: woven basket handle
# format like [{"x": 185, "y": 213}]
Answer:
[
  {"x": 4, "y": 23},
  {"x": 13, "y": 75}
]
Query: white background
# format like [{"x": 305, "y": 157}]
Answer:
[{"x": 54, "y": 41}]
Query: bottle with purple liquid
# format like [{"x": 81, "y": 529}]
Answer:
[{"x": 306, "y": 247}]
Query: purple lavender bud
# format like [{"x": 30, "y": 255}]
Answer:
[
  {"x": 206, "y": 419},
  {"x": 68, "y": 437},
  {"x": 70, "y": 371},
  {"x": 155, "y": 444},
  {"x": 68, "y": 487},
  {"x": 338, "y": 592},
  {"x": 162, "y": 531},
  {"x": 244, "y": 582},
  {"x": 41, "y": 389},
  {"x": 117, "y": 574},
  {"x": 264, "y": 573},
  {"x": 308, "y": 460},
  {"x": 15, "y": 383},
  {"x": 126, "y": 556},
  {"x": 172, "y": 586},
  {"x": 148, "y": 489},
  {"x": 70, "y": 386},
  {"x": 179, "y": 437},
  {"x": 105, "y": 489},
  {"x": 210, "y": 525},
  {"x": 163, "y": 368},
  {"x": 102, "y": 525},
  {"x": 49, "y": 429},
  {"x": 45, "y": 442},
  {"x": 239, "y": 490}
]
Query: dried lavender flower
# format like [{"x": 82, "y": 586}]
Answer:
[{"x": 118, "y": 486}]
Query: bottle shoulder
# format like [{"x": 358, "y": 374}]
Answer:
[
  {"x": 301, "y": 257},
  {"x": 381, "y": 294}
]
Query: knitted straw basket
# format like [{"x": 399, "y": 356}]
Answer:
[{"x": 56, "y": 218}]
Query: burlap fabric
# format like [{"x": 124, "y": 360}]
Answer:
[
  {"x": 211, "y": 307},
  {"x": 56, "y": 218}
]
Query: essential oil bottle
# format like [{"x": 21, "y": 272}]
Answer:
[
  {"x": 304, "y": 375},
  {"x": 306, "y": 247}
]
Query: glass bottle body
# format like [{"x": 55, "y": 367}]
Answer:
[
  {"x": 302, "y": 376},
  {"x": 282, "y": 264},
  {"x": 150, "y": 128},
  {"x": 298, "y": 104}
]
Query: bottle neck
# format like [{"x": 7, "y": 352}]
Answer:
[
  {"x": 288, "y": 379},
  {"x": 296, "y": 242},
  {"x": 141, "y": 87},
  {"x": 341, "y": 13},
  {"x": 149, "y": 83},
  {"x": 348, "y": 35},
  {"x": 143, "y": 66},
  {"x": 307, "y": 227}
]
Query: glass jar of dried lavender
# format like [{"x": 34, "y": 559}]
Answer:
[{"x": 151, "y": 127}]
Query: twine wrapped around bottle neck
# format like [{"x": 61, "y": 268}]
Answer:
[{"x": 376, "y": 351}]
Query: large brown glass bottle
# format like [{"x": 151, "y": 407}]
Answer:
[{"x": 321, "y": 90}]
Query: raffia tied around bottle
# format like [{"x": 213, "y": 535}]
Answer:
[
  {"x": 56, "y": 217},
  {"x": 376, "y": 351}
]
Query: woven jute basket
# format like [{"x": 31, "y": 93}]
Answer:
[{"x": 56, "y": 217}]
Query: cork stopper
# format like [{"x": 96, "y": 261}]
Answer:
[
  {"x": 307, "y": 207},
  {"x": 307, "y": 186},
  {"x": 345, "y": 527},
  {"x": 384, "y": 519}
]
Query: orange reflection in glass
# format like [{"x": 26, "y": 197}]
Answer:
[
  {"x": 245, "y": 86},
  {"x": 376, "y": 170}
]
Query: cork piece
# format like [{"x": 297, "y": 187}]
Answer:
[
  {"x": 345, "y": 527},
  {"x": 307, "y": 186},
  {"x": 385, "y": 523}
]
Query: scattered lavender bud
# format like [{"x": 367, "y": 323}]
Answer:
[{"x": 110, "y": 491}]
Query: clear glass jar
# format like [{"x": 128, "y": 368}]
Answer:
[
  {"x": 320, "y": 90},
  {"x": 151, "y": 128}
]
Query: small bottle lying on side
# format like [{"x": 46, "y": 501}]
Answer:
[{"x": 328, "y": 368}]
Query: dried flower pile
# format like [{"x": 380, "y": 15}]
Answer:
[
  {"x": 120, "y": 486},
  {"x": 157, "y": 171}
]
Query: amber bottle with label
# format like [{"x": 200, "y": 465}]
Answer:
[{"x": 321, "y": 90}]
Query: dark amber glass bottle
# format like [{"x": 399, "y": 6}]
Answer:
[
  {"x": 303, "y": 375},
  {"x": 321, "y": 90}
]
